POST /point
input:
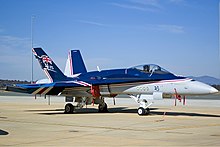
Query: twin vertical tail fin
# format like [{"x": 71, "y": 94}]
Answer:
[
  {"x": 74, "y": 64},
  {"x": 53, "y": 73}
]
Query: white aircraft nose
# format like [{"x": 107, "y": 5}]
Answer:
[
  {"x": 202, "y": 88},
  {"x": 213, "y": 90}
]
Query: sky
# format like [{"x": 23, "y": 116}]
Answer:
[{"x": 179, "y": 35}]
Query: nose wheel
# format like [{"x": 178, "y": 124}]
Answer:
[
  {"x": 143, "y": 105},
  {"x": 142, "y": 111}
]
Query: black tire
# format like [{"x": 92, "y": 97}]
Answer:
[
  {"x": 103, "y": 108},
  {"x": 147, "y": 111},
  {"x": 141, "y": 111},
  {"x": 69, "y": 108}
]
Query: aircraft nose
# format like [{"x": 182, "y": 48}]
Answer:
[
  {"x": 202, "y": 88},
  {"x": 213, "y": 90}
]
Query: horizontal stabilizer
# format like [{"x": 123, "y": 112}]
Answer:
[{"x": 16, "y": 89}]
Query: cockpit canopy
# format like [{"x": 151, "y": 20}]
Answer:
[{"x": 151, "y": 68}]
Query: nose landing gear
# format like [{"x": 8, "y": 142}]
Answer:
[{"x": 144, "y": 105}]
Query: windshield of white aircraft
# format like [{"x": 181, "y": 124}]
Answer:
[{"x": 151, "y": 68}]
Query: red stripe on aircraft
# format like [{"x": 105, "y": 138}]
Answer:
[
  {"x": 48, "y": 75},
  {"x": 71, "y": 65},
  {"x": 40, "y": 92},
  {"x": 150, "y": 82}
]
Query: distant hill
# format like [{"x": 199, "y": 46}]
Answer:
[{"x": 207, "y": 79}]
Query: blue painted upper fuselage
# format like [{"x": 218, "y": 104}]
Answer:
[
  {"x": 126, "y": 75},
  {"x": 106, "y": 77}
]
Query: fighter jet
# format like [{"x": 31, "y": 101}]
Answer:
[{"x": 142, "y": 83}]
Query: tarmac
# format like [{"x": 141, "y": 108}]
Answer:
[{"x": 25, "y": 121}]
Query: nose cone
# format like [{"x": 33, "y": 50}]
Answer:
[
  {"x": 213, "y": 90},
  {"x": 202, "y": 88}
]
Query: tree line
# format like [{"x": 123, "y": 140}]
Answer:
[{"x": 4, "y": 83}]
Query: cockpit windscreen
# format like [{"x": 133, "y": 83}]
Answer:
[{"x": 151, "y": 68}]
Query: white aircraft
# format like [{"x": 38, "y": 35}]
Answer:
[{"x": 142, "y": 83}]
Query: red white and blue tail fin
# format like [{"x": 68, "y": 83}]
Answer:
[
  {"x": 74, "y": 64},
  {"x": 51, "y": 70}
]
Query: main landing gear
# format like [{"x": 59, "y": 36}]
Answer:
[
  {"x": 69, "y": 108},
  {"x": 103, "y": 107},
  {"x": 77, "y": 103}
]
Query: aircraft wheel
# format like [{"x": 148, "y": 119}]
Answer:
[
  {"x": 141, "y": 111},
  {"x": 69, "y": 108},
  {"x": 103, "y": 108},
  {"x": 147, "y": 111}
]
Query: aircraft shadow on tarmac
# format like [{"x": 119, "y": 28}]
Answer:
[
  {"x": 122, "y": 110},
  {"x": 186, "y": 114},
  {"x": 2, "y": 132}
]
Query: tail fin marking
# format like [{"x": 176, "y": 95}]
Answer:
[
  {"x": 49, "y": 67},
  {"x": 74, "y": 64}
]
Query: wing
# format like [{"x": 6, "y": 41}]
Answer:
[{"x": 67, "y": 88}]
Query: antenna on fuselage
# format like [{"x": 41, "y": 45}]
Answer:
[{"x": 98, "y": 68}]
